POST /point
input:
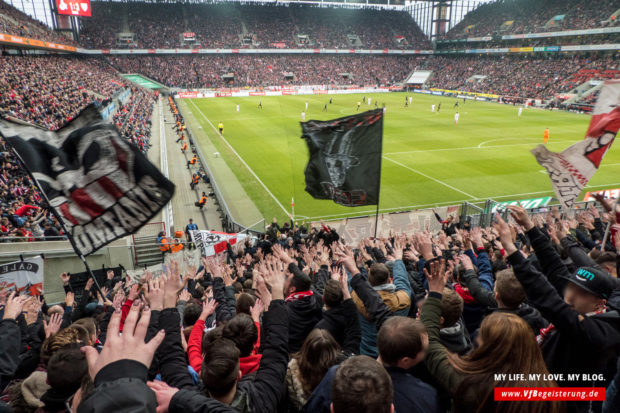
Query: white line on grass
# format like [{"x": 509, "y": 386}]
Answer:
[
  {"x": 429, "y": 177},
  {"x": 464, "y": 148},
  {"x": 241, "y": 159}
]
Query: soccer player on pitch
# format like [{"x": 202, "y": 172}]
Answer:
[
  {"x": 520, "y": 112},
  {"x": 358, "y": 105},
  {"x": 546, "y": 136},
  {"x": 456, "y": 118},
  {"x": 325, "y": 107},
  {"x": 303, "y": 116},
  {"x": 260, "y": 104},
  {"x": 220, "y": 126}
]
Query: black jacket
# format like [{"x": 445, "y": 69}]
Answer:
[
  {"x": 263, "y": 393},
  {"x": 579, "y": 344},
  {"x": 10, "y": 340},
  {"x": 120, "y": 387},
  {"x": 344, "y": 325},
  {"x": 456, "y": 338}
]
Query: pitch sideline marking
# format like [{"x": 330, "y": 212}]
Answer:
[
  {"x": 464, "y": 148},
  {"x": 241, "y": 159},
  {"x": 429, "y": 177}
]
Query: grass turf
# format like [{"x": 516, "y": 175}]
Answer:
[{"x": 427, "y": 159}]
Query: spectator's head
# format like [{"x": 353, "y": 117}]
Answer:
[
  {"x": 379, "y": 274},
  {"x": 296, "y": 283},
  {"x": 506, "y": 343},
  {"x": 243, "y": 332},
  {"x": 362, "y": 385},
  {"x": 332, "y": 295},
  {"x": 451, "y": 307},
  {"x": 402, "y": 342},
  {"x": 65, "y": 372},
  {"x": 89, "y": 325},
  {"x": 191, "y": 314},
  {"x": 64, "y": 338},
  {"x": 508, "y": 290},
  {"x": 588, "y": 290},
  {"x": 607, "y": 261},
  {"x": 220, "y": 365},
  {"x": 318, "y": 353},
  {"x": 55, "y": 309},
  {"x": 244, "y": 303}
]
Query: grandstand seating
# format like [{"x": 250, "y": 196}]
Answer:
[
  {"x": 267, "y": 70},
  {"x": 531, "y": 16},
  {"x": 225, "y": 26},
  {"x": 13, "y": 21}
]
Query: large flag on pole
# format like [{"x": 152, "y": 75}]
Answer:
[
  {"x": 571, "y": 169},
  {"x": 212, "y": 242},
  {"x": 101, "y": 187},
  {"x": 345, "y": 158}
]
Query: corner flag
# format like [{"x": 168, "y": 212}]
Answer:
[
  {"x": 571, "y": 169},
  {"x": 345, "y": 158}
]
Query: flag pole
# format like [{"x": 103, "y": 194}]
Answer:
[
  {"x": 58, "y": 217},
  {"x": 379, "y": 177}
]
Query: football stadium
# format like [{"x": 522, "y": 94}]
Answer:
[{"x": 368, "y": 206}]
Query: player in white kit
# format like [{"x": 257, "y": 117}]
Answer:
[
  {"x": 369, "y": 101},
  {"x": 520, "y": 112},
  {"x": 432, "y": 108},
  {"x": 306, "y": 105},
  {"x": 303, "y": 116},
  {"x": 237, "y": 108},
  {"x": 410, "y": 99},
  {"x": 456, "y": 118}
]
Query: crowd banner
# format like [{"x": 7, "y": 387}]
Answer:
[
  {"x": 23, "y": 276},
  {"x": 210, "y": 243}
]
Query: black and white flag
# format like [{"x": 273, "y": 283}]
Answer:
[
  {"x": 102, "y": 187},
  {"x": 345, "y": 158}
]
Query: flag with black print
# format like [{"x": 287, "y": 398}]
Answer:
[
  {"x": 345, "y": 158},
  {"x": 100, "y": 185}
]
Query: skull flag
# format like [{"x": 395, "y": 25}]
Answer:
[
  {"x": 102, "y": 187},
  {"x": 345, "y": 158}
]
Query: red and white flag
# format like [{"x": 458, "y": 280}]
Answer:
[
  {"x": 571, "y": 169},
  {"x": 213, "y": 242}
]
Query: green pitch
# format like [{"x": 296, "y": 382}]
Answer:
[{"x": 427, "y": 159}]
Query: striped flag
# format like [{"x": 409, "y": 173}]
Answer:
[
  {"x": 98, "y": 184},
  {"x": 571, "y": 169}
]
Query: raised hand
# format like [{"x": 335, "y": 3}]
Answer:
[
  {"x": 257, "y": 309},
  {"x": 53, "y": 326},
  {"x": 128, "y": 346},
  {"x": 134, "y": 292},
  {"x": 14, "y": 305},
  {"x": 154, "y": 294},
  {"x": 65, "y": 278},
  {"x": 69, "y": 299},
  {"x": 89, "y": 284},
  {"x": 208, "y": 308},
  {"x": 110, "y": 274},
  {"x": 163, "y": 394},
  {"x": 521, "y": 217},
  {"x": 466, "y": 261},
  {"x": 262, "y": 291},
  {"x": 505, "y": 235},
  {"x": 436, "y": 276},
  {"x": 397, "y": 251}
]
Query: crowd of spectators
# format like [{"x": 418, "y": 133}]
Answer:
[
  {"x": 296, "y": 321},
  {"x": 267, "y": 70},
  {"x": 520, "y": 76},
  {"x": 533, "y": 16},
  {"x": 15, "y": 22},
  {"x": 51, "y": 90},
  {"x": 133, "y": 120},
  {"x": 268, "y": 26}
]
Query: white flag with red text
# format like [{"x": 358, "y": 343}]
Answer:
[
  {"x": 212, "y": 242},
  {"x": 571, "y": 169}
]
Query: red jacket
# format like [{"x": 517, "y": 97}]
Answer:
[{"x": 247, "y": 364}]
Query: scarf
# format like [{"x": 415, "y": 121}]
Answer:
[
  {"x": 297, "y": 296},
  {"x": 546, "y": 331},
  {"x": 464, "y": 293}
]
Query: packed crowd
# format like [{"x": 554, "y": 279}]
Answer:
[
  {"x": 540, "y": 78},
  {"x": 532, "y": 16},
  {"x": 15, "y": 22},
  {"x": 297, "y": 321},
  {"x": 266, "y": 70},
  {"x": 223, "y": 26},
  {"x": 22, "y": 216},
  {"x": 133, "y": 120},
  {"x": 51, "y": 90}
]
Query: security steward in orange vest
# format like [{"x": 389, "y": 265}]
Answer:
[
  {"x": 195, "y": 181},
  {"x": 203, "y": 201},
  {"x": 177, "y": 245},
  {"x": 192, "y": 161}
]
